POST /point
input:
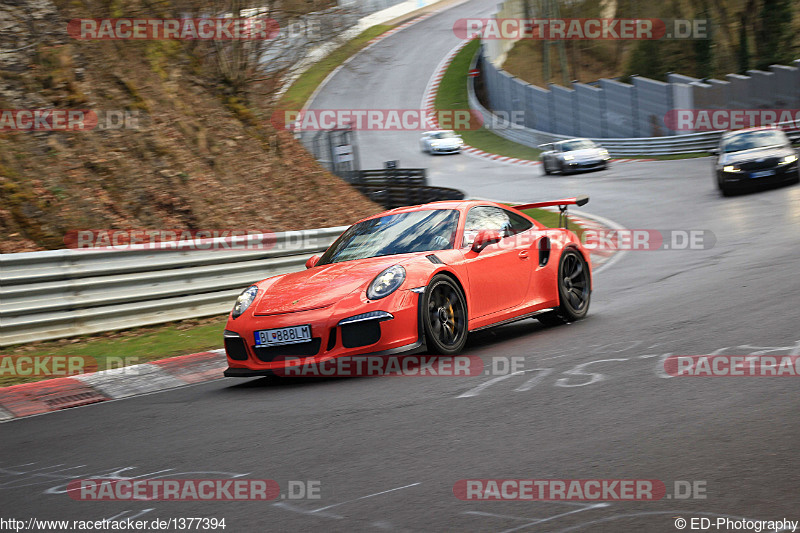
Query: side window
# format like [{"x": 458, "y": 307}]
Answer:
[
  {"x": 518, "y": 223},
  {"x": 485, "y": 217}
]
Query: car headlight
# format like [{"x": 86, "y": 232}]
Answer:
[
  {"x": 789, "y": 159},
  {"x": 569, "y": 157},
  {"x": 435, "y": 144},
  {"x": 243, "y": 301},
  {"x": 731, "y": 168},
  {"x": 603, "y": 152},
  {"x": 386, "y": 282}
]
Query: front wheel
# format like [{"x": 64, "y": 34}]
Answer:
[
  {"x": 544, "y": 168},
  {"x": 444, "y": 316},
  {"x": 574, "y": 290}
]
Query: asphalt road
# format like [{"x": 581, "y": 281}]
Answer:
[{"x": 593, "y": 402}]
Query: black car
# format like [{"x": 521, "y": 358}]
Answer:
[{"x": 755, "y": 157}]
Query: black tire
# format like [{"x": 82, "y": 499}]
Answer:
[
  {"x": 444, "y": 316},
  {"x": 561, "y": 168},
  {"x": 545, "y": 169},
  {"x": 574, "y": 290}
]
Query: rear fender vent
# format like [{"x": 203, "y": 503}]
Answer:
[{"x": 544, "y": 251}]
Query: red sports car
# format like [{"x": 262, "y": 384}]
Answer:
[{"x": 412, "y": 279}]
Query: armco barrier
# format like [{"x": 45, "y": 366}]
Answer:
[
  {"x": 391, "y": 196},
  {"x": 396, "y": 187},
  {"x": 61, "y": 293}
]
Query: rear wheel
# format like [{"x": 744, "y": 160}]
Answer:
[
  {"x": 574, "y": 290},
  {"x": 444, "y": 316}
]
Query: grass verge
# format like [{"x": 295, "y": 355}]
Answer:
[
  {"x": 305, "y": 85},
  {"x": 452, "y": 94},
  {"x": 133, "y": 346}
]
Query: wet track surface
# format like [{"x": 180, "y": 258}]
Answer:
[{"x": 592, "y": 403}]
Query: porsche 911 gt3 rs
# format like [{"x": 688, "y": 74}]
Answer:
[{"x": 412, "y": 279}]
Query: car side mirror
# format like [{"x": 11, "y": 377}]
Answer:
[
  {"x": 713, "y": 151},
  {"x": 313, "y": 260},
  {"x": 484, "y": 238}
]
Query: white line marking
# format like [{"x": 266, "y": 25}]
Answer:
[
  {"x": 284, "y": 505},
  {"x": 493, "y": 515},
  {"x": 531, "y": 383},
  {"x": 477, "y": 390},
  {"x": 587, "y": 508},
  {"x": 365, "y": 497}
]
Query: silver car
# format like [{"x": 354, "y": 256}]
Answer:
[
  {"x": 441, "y": 142},
  {"x": 573, "y": 155}
]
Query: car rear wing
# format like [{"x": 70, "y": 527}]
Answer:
[{"x": 562, "y": 207}]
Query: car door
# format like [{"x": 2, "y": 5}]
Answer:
[{"x": 500, "y": 274}]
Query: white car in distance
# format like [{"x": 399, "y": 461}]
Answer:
[{"x": 441, "y": 142}]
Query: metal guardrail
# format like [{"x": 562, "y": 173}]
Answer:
[
  {"x": 396, "y": 187},
  {"x": 391, "y": 196},
  {"x": 61, "y": 293},
  {"x": 672, "y": 144}
]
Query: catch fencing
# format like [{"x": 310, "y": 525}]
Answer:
[
  {"x": 592, "y": 113},
  {"x": 623, "y": 112}
]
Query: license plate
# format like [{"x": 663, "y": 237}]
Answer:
[
  {"x": 281, "y": 336},
  {"x": 762, "y": 173}
]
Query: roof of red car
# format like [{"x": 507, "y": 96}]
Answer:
[{"x": 443, "y": 204}]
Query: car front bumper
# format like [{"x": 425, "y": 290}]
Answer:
[
  {"x": 585, "y": 165},
  {"x": 744, "y": 179},
  {"x": 446, "y": 150},
  {"x": 330, "y": 340}
]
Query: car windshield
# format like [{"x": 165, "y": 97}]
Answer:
[
  {"x": 443, "y": 135},
  {"x": 580, "y": 144},
  {"x": 754, "y": 139},
  {"x": 403, "y": 233}
]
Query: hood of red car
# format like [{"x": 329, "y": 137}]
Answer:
[{"x": 320, "y": 286}]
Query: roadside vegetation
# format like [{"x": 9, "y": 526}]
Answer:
[
  {"x": 743, "y": 35},
  {"x": 196, "y": 149}
]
